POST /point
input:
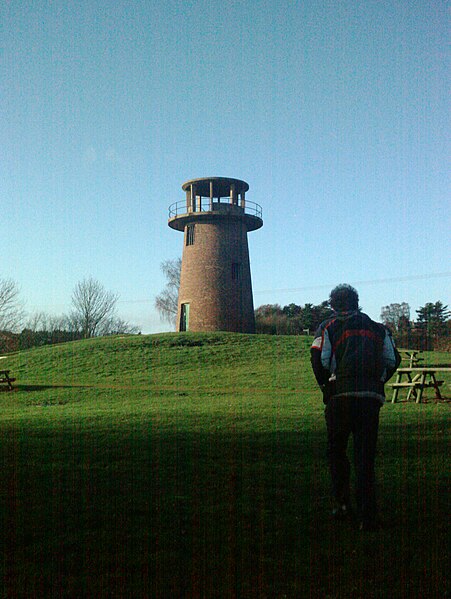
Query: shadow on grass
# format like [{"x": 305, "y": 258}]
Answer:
[
  {"x": 140, "y": 510},
  {"x": 34, "y": 388}
]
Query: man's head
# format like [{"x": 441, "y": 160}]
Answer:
[{"x": 344, "y": 298}]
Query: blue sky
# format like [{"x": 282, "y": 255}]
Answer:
[{"x": 335, "y": 113}]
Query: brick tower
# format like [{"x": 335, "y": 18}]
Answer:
[{"x": 215, "y": 285}]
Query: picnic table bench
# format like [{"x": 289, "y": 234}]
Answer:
[
  {"x": 418, "y": 378},
  {"x": 5, "y": 378}
]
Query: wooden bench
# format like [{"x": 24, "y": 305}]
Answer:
[
  {"x": 417, "y": 384},
  {"x": 415, "y": 390},
  {"x": 5, "y": 378}
]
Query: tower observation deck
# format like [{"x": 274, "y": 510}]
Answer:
[{"x": 215, "y": 284}]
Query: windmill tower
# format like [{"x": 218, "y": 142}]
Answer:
[{"x": 215, "y": 291}]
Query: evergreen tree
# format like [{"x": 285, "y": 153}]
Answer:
[{"x": 432, "y": 318}]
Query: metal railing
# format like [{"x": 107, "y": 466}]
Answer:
[{"x": 205, "y": 205}]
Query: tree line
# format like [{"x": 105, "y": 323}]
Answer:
[
  {"x": 272, "y": 319},
  {"x": 93, "y": 313},
  {"x": 431, "y": 328}
]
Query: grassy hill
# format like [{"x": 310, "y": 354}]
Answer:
[
  {"x": 194, "y": 360},
  {"x": 193, "y": 465}
]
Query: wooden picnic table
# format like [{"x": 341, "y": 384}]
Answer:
[
  {"x": 418, "y": 378},
  {"x": 411, "y": 356},
  {"x": 5, "y": 378}
]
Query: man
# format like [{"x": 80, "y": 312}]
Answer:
[{"x": 352, "y": 357}]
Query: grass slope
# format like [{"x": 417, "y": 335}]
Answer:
[{"x": 193, "y": 465}]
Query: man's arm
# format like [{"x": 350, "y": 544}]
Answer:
[
  {"x": 317, "y": 359},
  {"x": 390, "y": 356}
]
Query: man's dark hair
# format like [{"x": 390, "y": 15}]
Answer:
[{"x": 344, "y": 298}]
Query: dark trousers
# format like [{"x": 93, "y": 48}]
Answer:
[{"x": 359, "y": 416}]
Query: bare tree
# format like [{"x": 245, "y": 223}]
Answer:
[
  {"x": 396, "y": 316},
  {"x": 35, "y": 321},
  {"x": 11, "y": 308},
  {"x": 41, "y": 321},
  {"x": 118, "y": 326},
  {"x": 93, "y": 307},
  {"x": 166, "y": 301}
]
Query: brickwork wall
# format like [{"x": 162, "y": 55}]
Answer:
[{"x": 220, "y": 296}]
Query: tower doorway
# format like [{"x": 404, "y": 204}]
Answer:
[{"x": 184, "y": 317}]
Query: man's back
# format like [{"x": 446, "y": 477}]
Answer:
[{"x": 356, "y": 352}]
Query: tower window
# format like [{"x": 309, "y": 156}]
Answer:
[
  {"x": 237, "y": 269},
  {"x": 190, "y": 235}
]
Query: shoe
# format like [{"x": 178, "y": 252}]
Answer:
[{"x": 342, "y": 512}]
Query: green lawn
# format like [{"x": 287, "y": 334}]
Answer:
[{"x": 193, "y": 466}]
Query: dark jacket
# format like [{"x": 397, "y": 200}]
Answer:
[{"x": 353, "y": 355}]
